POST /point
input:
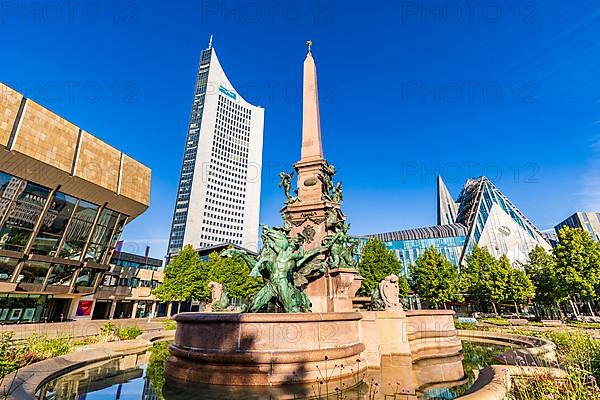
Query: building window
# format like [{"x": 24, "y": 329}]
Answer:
[
  {"x": 7, "y": 266},
  {"x": 34, "y": 272},
  {"x": 54, "y": 224},
  {"x": 61, "y": 275},
  {"x": 22, "y": 215},
  {"x": 102, "y": 235},
  {"x": 87, "y": 277},
  {"x": 78, "y": 231}
]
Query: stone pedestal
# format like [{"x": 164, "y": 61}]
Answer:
[{"x": 265, "y": 349}]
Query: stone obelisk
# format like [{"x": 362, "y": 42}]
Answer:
[{"x": 316, "y": 213}]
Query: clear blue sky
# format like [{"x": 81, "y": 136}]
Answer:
[{"x": 380, "y": 65}]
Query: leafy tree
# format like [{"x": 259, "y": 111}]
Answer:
[
  {"x": 234, "y": 274},
  {"x": 435, "y": 279},
  {"x": 520, "y": 289},
  {"x": 479, "y": 262},
  {"x": 495, "y": 281},
  {"x": 541, "y": 269},
  {"x": 577, "y": 259},
  {"x": 377, "y": 262},
  {"x": 185, "y": 277}
]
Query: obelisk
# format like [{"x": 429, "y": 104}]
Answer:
[
  {"x": 312, "y": 147},
  {"x": 316, "y": 213}
]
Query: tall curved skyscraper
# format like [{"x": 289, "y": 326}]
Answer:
[{"x": 218, "y": 198}]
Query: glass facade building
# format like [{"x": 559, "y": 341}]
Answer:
[
  {"x": 481, "y": 215},
  {"x": 218, "y": 197},
  {"x": 409, "y": 244},
  {"x": 65, "y": 197},
  {"x": 588, "y": 221}
]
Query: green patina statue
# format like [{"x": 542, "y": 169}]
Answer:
[
  {"x": 283, "y": 265},
  {"x": 341, "y": 249},
  {"x": 286, "y": 183}
]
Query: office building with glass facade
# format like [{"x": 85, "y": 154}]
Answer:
[
  {"x": 588, "y": 221},
  {"x": 218, "y": 197},
  {"x": 65, "y": 197}
]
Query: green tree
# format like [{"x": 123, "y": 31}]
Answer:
[
  {"x": 234, "y": 274},
  {"x": 541, "y": 269},
  {"x": 495, "y": 281},
  {"x": 520, "y": 289},
  {"x": 479, "y": 262},
  {"x": 577, "y": 259},
  {"x": 185, "y": 277},
  {"x": 377, "y": 262},
  {"x": 435, "y": 279}
]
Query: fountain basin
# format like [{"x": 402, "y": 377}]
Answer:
[{"x": 265, "y": 349}]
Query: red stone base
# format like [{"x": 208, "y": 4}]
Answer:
[{"x": 265, "y": 349}]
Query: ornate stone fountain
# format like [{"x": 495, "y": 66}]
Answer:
[{"x": 309, "y": 269}]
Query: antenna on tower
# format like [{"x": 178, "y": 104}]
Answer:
[{"x": 210, "y": 42}]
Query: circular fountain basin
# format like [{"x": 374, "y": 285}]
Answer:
[{"x": 265, "y": 349}]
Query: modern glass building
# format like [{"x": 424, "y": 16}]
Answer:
[
  {"x": 65, "y": 197},
  {"x": 588, "y": 221},
  {"x": 218, "y": 198},
  {"x": 495, "y": 223},
  {"x": 481, "y": 215},
  {"x": 409, "y": 244}
]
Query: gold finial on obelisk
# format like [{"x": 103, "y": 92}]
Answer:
[{"x": 309, "y": 44}]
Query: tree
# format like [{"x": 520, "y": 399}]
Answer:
[
  {"x": 495, "y": 281},
  {"x": 520, "y": 289},
  {"x": 479, "y": 262},
  {"x": 377, "y": 262},
  {"x": 435, "y": 279},
  {"x": 234, "y": 274},
  {"x": 541, "y": 269},
  {"x": 577, "y": 259},
  {"x": 184, "y": 277}
]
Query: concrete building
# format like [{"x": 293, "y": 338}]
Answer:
[
  {"x": 588, "y": 221},
  {"x": 65, "y": 197},
  {"x": 218, "y": 198}
]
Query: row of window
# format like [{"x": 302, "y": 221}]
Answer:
[
  {"x": 65, "y": 227},
  {"x": 221, "y": 224},
  {"x": 190, "y": 153},
  {"x": 47, "y": 274}
]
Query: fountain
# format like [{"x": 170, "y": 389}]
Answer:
[{"x": 311, "y": 278}]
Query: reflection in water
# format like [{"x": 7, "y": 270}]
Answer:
[{"x": 141, "y": 377}]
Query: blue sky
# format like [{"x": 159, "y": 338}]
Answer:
[{"x": 407, "y": 89}]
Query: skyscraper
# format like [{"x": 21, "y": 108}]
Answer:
[{"x": 218, "y": 198}]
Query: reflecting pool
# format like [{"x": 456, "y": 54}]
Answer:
[{"x": 140, "y": 377}]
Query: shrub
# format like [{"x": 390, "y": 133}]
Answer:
[
  {"x": 130, "y": 332},
  {"x": 465, "y": 325},
  {"x": 496, "y": 321},
  {"x": 579, "y": 354},
  {"x": 109, "y": 332},
  {"x": 17, "y": 354},
  {"x": 169, "y": 325}
]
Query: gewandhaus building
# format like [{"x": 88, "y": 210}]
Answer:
[{"x": 65, "y": 197}]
